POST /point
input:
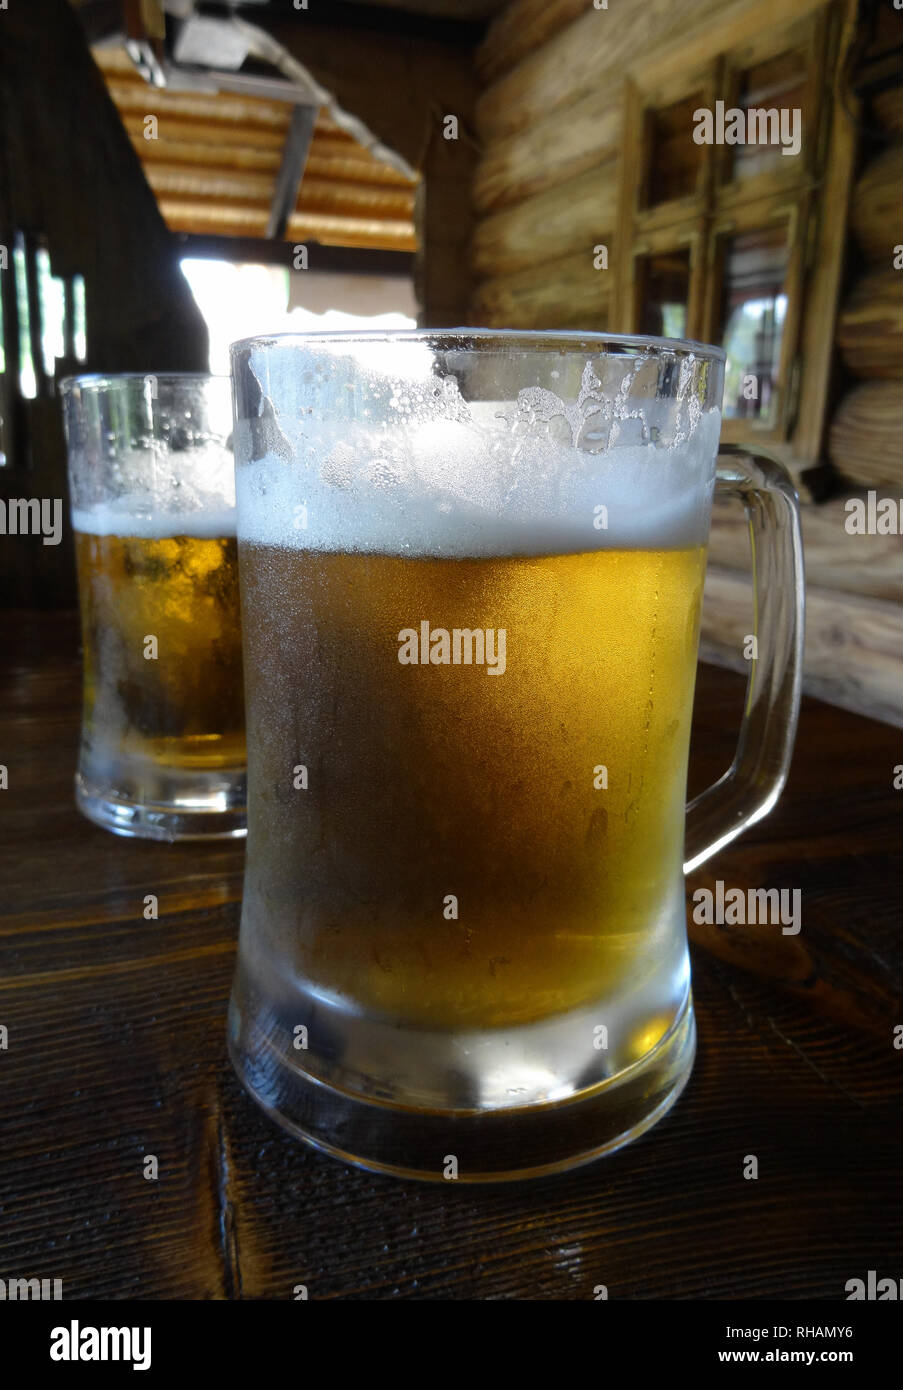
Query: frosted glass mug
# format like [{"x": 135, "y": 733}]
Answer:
[{"x": 471, "y": 570}]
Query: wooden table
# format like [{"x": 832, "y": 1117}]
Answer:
[{"x": 116, "y": 1051}]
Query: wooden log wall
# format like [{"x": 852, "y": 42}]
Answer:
[
  {"x": 866, "y": 438},
  {"x": 545, "y": 193},
  {"x": 854, "y": 579},
  {"x": 870, "y": 328},
  {"x": 853, "y": 643},
  {"x": 866, "y": 435},
  {"x": 854, "y": 588},
  {"x": 854, "y": 604},
  {"x": 549, "y": 122}
]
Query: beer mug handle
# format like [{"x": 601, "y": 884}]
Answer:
[{"x": 754, "y": 780}]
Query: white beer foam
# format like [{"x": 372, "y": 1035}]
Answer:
[
  {"x": 122, "y": 519},
  {"x": 445, "y": 488}
]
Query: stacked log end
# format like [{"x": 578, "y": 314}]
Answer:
[
  {"x": 870, "y": 327},
  {"x": 876, "y": 205},
  {"x": 865, "y": 440}
]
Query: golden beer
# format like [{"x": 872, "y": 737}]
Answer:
[
  {"x": 162, "y": 651},
  {"x": 451, "y": 846}
]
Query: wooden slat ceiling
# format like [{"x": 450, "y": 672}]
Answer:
[{"x": 214, "y": 164}]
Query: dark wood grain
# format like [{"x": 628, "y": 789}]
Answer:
[{"x": 116, "y": 1051}]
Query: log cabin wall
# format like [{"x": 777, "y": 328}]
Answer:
[
  {"x": 580, "y": 107},
  {"x": 71, "y": 188},
  {"x": 586, "y": 107},
  {"x": 854, "y": 560},
  {"x": 866, "y": 438},
  {"x": 545, "y": 186}
]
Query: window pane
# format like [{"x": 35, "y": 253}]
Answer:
[
  {"x": 53, "y": 312},
  {"x": 777, "y": 88},
  {"x": 79, "y": 330},
  {"x": 27, "y": 381},
  {"x": 754, "y": 307},
  {"x": 673, "y": 156},
  {"x": 664, "y": 292}
]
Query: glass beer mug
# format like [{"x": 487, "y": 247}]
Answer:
[
  {"x": 152, "y": 483},
  {"x": 471, "y": 570}
]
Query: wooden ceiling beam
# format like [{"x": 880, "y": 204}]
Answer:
[
  {"x": 177, "y": 180},
  {"x": 217, "y": 107},
  {"x": 317, "y": 195},
  {"x": 132, "y": 94},
  {"x": 172, "y": 131},
  {"x": 207, "y": 154},
  {"x": 336, "y": 230},
  {"x": 200, "y": 216},
  {"x": 256, "y": 140}
]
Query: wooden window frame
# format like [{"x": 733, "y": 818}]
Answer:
[
  {"x": 640, "y": 107},
  {"x": 810, "y": 36},
  {"x": 751, "y": 217},
  {"x": 811, "y": 196},
  {"x": 689, "y": 234}
]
